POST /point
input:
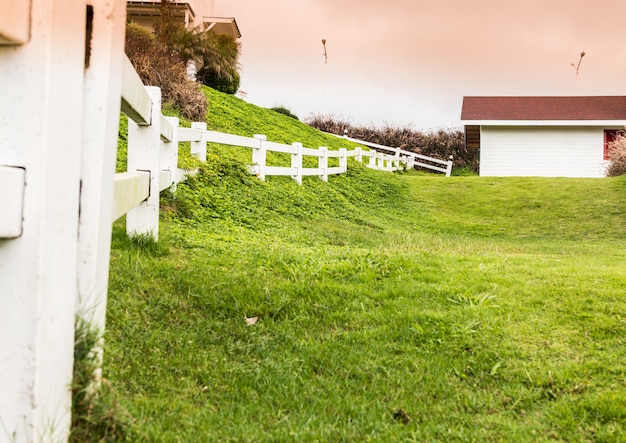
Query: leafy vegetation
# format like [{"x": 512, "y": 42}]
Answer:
[
  {"x": 375, "y": 307},
  {"x": 440, "y": 143},
  {"x": 617, "y": 156},
  {"x": 158, "y": 66},
  {"x": 285, "y": 111},
  {"x": 215, "y": 56}
]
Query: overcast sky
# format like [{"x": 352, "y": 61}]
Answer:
[{"x": 410, "y": 62}]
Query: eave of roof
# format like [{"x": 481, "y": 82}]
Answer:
[
  {"x": 544, "y": 110},
  {"x": 221, "y": 25}
]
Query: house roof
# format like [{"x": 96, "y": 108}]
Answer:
[
  {"x": 221, "y": 25},
  {"x": 605, "y": 108}
]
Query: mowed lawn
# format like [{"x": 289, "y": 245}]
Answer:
[{"x": 375, "y": 307}]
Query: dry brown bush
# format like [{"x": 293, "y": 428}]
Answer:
[
  {"x": 617, "y": 156},
  {"x": 441, "y": 143},
  {"x": 157, "y": 66}
]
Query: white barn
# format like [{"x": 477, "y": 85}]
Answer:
[{"x": 542, "y": 136}]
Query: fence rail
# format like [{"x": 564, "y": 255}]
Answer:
[{"x": 412, "y": 155}]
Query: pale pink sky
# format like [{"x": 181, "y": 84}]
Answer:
[{"x": 410, "y": 62}]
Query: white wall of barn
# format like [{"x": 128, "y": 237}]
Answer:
[{"x": 550, "y": 151}]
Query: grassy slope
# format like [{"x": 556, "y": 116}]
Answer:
[{"x": 390, "y": 308}]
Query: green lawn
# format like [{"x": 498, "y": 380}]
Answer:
[{"x": 390, "y": 308}]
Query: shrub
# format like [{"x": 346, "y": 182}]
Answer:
[
  {"x": 158, "y": 66},
  {"x": 617, "y": 156},
  {"x": 226, "y": 84},
  {"x": 440, "y": 143},
  {"x": 285, "y": 111}
]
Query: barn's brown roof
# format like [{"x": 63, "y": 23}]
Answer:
[{"x": 544, "y": 108}]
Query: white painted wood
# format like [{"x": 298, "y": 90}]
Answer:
[
  {"x": 100, "y": 125},
  {"x": 232, "y": 140},
  {"x": 310, "y": 152},
  {"x": 14, "y": 22},
  {"x": 198, "y": 146},
  {"x": 547, "y": 123},
  {"x": 279, "y": 147},
  {"x": 136, "y": 102},
  {"x": 311, "y": 172},
  {"x": 322, "y": 163},
  {"x": 259, "y": 155},
  {"x": 166, "y": 180},
  {"x": 38, "y": 270},
  {"x": 542, "y": 151},
  {"x": 296, "y": 162},
  {"x": 169, "y": 155},
  {"x": 343, "y": 160},
  {"x": 358, "y": 154},
  {"x": 193, "y": 134},
  {"x": 372, "y": 163},
  {"x": 131, "y": 188},
  {"x": 335, "y": 171},
  {"x": 143, "y": 155},
  {"x": 12, "y": 183},
  {"x": 166, "y": 128}
]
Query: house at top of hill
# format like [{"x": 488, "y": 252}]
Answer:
[
  {"x": 191, "y": 13},
  {"x": 543, "y": 136}
]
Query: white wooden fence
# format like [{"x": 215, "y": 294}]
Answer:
[
  {"x": 62, "y": 74},
  {"x": 412, "y": 159}
]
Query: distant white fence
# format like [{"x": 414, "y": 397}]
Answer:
[
  {"x": 153, "y": 155},
  {"x": 412, "y": 159},
  {"x": 62, "y": 74}
]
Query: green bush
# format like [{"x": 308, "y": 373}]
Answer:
[
  {"x": 226, "y": 84},
  {"x": 617, "y": 156},
  {"x": 285, "y": 111}
]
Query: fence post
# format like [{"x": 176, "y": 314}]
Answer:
[
  {"x": 372, "y": 163},
  {"x": 198, "y": 149},
  {"x": 380, "y": 163},
  {"x": 322, "y": 163},
  {"x": 343, "y": 160},
  {"x": 259, "y": 156},
  {"x": 358, "y": 154},
  {"x": 101, "y": 114},
  {"x": 449, "y": 168},
  {"x": 143, "y": 155},
  {"x": 42, "y": 91},
  {"x": 296, "y": 162},
  {"x": 397, "y": 159},
  {"x": 169, "y": 154}
]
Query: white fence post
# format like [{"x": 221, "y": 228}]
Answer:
[
  {"x": 42, "y": 90},
  {"x": 343, "y": 160},
  {"x": 296, "y": 162},
  {"x": 169, "y": 155},
  {"x": 101, "y": 114},
  {"x": 322, "y": 163},
  {"x": 259, "y": 156},
  {"x": 198, "y": 149},
  {"x": 373, "y": 159},
  {"x": 397, "y": 159},
  {"x": 143, "y": 155},
  {"x": 358, "y": 154},
  {"x": 449, "y": 168}
]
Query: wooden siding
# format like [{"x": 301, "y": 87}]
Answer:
[
  {"x": 472, "y": 136},
  {"x": 542, "y": 151}
]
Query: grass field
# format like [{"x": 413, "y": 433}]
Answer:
[{"x": 388, "y": 308}]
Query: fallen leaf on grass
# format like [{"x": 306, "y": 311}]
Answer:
[{"x": 251, "y": 320}]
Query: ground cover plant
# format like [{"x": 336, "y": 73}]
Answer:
[{"x": 375, "y": 307}]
